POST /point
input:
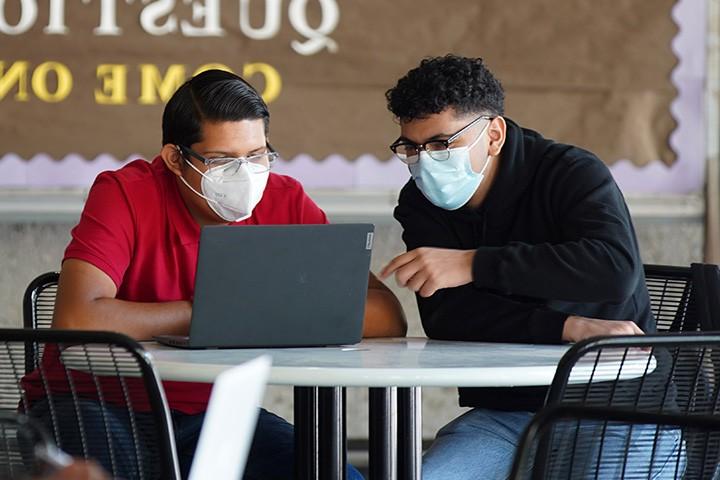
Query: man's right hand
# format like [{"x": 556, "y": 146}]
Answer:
[{"x": 579, "y": 328}]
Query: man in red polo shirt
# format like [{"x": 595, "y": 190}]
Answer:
[{"x": 130, "y": 266}]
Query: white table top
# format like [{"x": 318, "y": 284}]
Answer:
[{"x": 401, "y": 362}]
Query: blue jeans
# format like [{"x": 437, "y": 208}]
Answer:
[
  {"x": 482, "y": 443},
  {"x": 271, "y": 454}
]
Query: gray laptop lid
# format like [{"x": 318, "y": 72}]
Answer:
[{"x": 281, "y": 285}]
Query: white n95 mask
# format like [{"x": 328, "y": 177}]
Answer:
[{"x": 232, "y": 191}]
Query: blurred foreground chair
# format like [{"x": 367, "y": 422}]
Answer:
[
  {"x": 654, "y": 374},
  {"x": 96, "y": 393},
  {"x": 532, "y": 461},
  {"x": 24, "y": 446}
]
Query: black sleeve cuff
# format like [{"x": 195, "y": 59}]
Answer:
[
  {"x": 546, "y": 326},
  {"x": 485, "y": 269}
]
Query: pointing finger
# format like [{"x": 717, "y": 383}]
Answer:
[{"x": 396, "y": 263}]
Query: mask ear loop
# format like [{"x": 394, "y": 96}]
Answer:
[
  {"x": 489, "y": 157},
  {"x": 477, "y": 139},
  {"x": 191, "y": 164},
  {"x": 182, "y": 179}
]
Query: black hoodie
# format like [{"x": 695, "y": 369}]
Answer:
[{"x": 553, "y": 238}]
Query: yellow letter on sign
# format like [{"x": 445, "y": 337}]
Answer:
[
  {"x": 152, "y": 84},
  {"x": 64, "y": 82},
  {"x": 273, "y": 82},
  {"x": 114, "y": 84},
  {"x": 16, "y": 74}
]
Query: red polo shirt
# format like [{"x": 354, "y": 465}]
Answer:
[{"x": 136, "y": 228}]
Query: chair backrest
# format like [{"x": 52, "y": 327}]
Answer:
[
  {"x": 39, "y": 300},
  {"x": 706, "y": 284},
  {"x": 585, "y": 457},
  {"x": 662, "y": 373},
  {"x": 38, "y": 307},
  {"x": 98, "y": 395},
  {"x": 671, "y": 298},
  {"x": 684, "y": 299}
]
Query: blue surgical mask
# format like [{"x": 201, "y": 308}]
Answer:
[{"x": 449, "y": 184}]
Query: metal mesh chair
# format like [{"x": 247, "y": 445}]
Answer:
[
  {"x": 671, "y": 298},
  {"x": 656, "y": 374},
  {"x": 38, "y": 307},
  {"x": 533, "y": 462},
  {"x": 684, "y": 299},
  {"x": 39, "y": 301},
  {"x": 97, "y": 394}
]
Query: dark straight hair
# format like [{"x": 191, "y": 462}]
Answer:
[{"x": 215, "y": 96}]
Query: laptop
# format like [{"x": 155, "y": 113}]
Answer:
[
  {"x": 229, "y": 424},
  {"x": 279, "y": 286}
]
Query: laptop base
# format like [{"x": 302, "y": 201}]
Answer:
[{"x": 179, "y": 341}]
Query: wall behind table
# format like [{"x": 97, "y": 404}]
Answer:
[{"x": 625, "y": 82}]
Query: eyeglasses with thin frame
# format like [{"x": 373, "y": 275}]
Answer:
[
  {"x": 439, "y": 150},
  {"x": 260, "y": 162}
]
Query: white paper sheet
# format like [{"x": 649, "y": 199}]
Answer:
[{"x": 230, "y": 420}]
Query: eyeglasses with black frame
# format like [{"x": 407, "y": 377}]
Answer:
[
  {"x": 260, "y": 162},
  {"x": 439, "y": 150}
]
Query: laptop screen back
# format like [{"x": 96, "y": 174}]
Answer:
[{"x": 281, "y": 285}]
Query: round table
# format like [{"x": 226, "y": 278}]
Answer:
[{"x": 394, "y": 369}]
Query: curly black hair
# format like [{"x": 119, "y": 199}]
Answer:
[{"x": 462, "y": 83}]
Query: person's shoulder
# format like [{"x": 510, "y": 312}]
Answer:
[
  {"x": 286, "y": 187},
  {"x": 277, "y": 181},
  {"x": 136, "y": 171},
  {"x": 140, "y": 185},
  {"x": 285, "y": 201},
  {"x": 573, "y": 173},
  {"x": 141, "y": 175},
  {"x": 553, "y": 155},
  {"x": 575, "y": 161}
]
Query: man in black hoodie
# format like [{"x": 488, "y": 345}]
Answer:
[{"x": 511, "y": 237}]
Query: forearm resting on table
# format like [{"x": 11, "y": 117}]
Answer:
[
  {"x": 384, "y": 315},
  {"x": 86, "y": 301},
  {"x": 138, "y": 320},
  {"x": 578, "y": 328}
]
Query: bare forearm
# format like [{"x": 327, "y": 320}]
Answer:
[
  {"x": 578, "y": 328},
  {"x": 384, "y": 315},
  {"x": 86, "y": 301},
  {"x": 137, "y": 320}
]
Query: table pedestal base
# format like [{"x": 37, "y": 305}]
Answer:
[
  {"x": 409, "y": 432},
  {"x": 320, "y": 439}
]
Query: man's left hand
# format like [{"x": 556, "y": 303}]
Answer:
[{"x": 426, "y": 270}]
